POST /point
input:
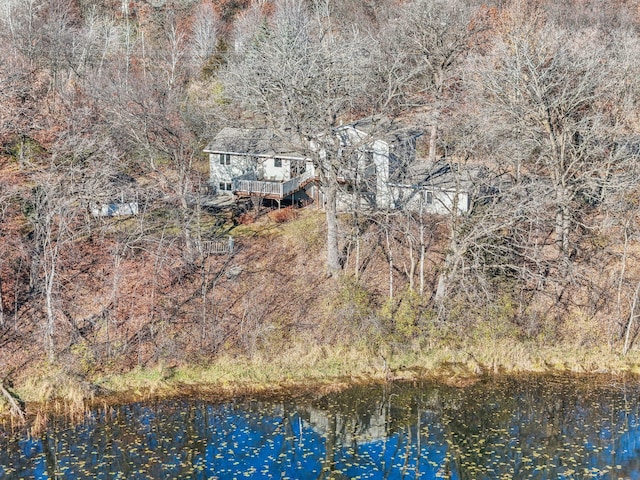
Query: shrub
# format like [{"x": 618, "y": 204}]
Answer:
[
  {"x": 350, "y": 313},
  {"x": 246, "y": 218},
  {"x": 402, "y": 315},
  {"x": 283, "y": 215}
]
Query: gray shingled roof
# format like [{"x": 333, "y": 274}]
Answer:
[
  {"x": 259, "y": 142},
  {"x": 443, "y": 175},
  {"x": 384, "y": 128}
]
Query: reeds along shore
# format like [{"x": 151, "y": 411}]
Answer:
[{"x": 302, "y": 369}]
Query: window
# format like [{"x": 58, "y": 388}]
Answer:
[
  {"x": 277, "y": 162},
  {"x": 428, "y": 197},
  {"x": 225, "y": 159},
  {"x": 225, "y": 186}
]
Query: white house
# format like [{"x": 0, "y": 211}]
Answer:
[
  {"x": 118, "y": 197},
  {"x": 378, "y": 171},
  {"x": 253, "y": 162}
]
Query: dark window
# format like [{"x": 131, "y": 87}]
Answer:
[
  {"x": 277, "y": 162},
  {"x": 428, "y": 198},
  {"x": 229, "y": 187},
  {"x": 225, "y": 159}
]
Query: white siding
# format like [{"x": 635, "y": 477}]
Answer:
[
  {"x": 219, "y": 173},
  {"x": 442, "y": 202},
  {"x": 264, "y": 169},
  {"x": 381, "y": 161},
  {"x": 272, "y": 173}
]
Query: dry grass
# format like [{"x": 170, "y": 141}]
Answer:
[
  {"x": 56, "y": 389},
  {"x": 305, "y": 366}
]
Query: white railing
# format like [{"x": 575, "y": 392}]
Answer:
[
  {"x": 255, "y": 187},
  {"x": 295, "y": 183},
  {"x": 279, "y": 189},
  {"x": 217, "y": 247}
]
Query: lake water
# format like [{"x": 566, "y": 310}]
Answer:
[{"x": 536, "y": 427}]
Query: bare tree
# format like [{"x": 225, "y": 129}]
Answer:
[
  {"x": 248, "y": 24},
  {"x": 554, "y": 125},
  {"x": 301, "y": 79},
  {"x": 54, "y": 212},
  {"x": 554, "y": 102},
  {"x": 205, "y": 33},
  {"x": 430, "y": 41}
]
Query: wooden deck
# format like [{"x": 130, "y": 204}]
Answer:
[{"x": 271, "y": 190}]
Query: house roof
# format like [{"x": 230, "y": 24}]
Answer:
[
  {"x": 383, "y": 128},
  {"x": 443, "y": 175},
  {"x": 258, "y": 142}
]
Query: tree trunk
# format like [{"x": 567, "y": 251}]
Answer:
[
  {"x": 15, "y": 406},
  {"x": 422, "y": 248},
  {"x": 441, "y": 290},
  {"x": 184, "y": 167},
  {"x": 357, "y": 261},
  {"x": 623, "y": 269},
  {"x": 333, "y": 254},
  {"x": 412, "y": 265},
  {"x": 433, "y": 137},
  {"x": 562, "y": 229},
  {"x": 186, "y": 229},
  {"x": 115, "y": 283},
  {"x": 51, "y": 318},
  {"x": 1, "y": 305},
  {"x": 449, "y": 263},
  {"x": 632, "y": 314},
  {"x": 390, "y": 258}
]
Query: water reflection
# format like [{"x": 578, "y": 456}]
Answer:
[{"x": 542, "y": 428}]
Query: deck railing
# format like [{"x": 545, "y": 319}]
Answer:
[
  {"x": 217, "y": 247},
  {"x": 295, "y": 183},
  {"x": 256, "y": 187},
  {"x": 277, "y": 189}
]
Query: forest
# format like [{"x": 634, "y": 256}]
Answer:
[{"x": 114, "y": 101}]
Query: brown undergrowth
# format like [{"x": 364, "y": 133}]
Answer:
[{"x": 150, "y": 321}]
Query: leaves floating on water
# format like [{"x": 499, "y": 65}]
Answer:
[{"x": 510, "y": 428}]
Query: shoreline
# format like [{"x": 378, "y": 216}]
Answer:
[{"x": 331, "y": 369}]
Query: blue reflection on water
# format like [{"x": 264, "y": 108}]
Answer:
[{"x": 507, "y": 429}]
